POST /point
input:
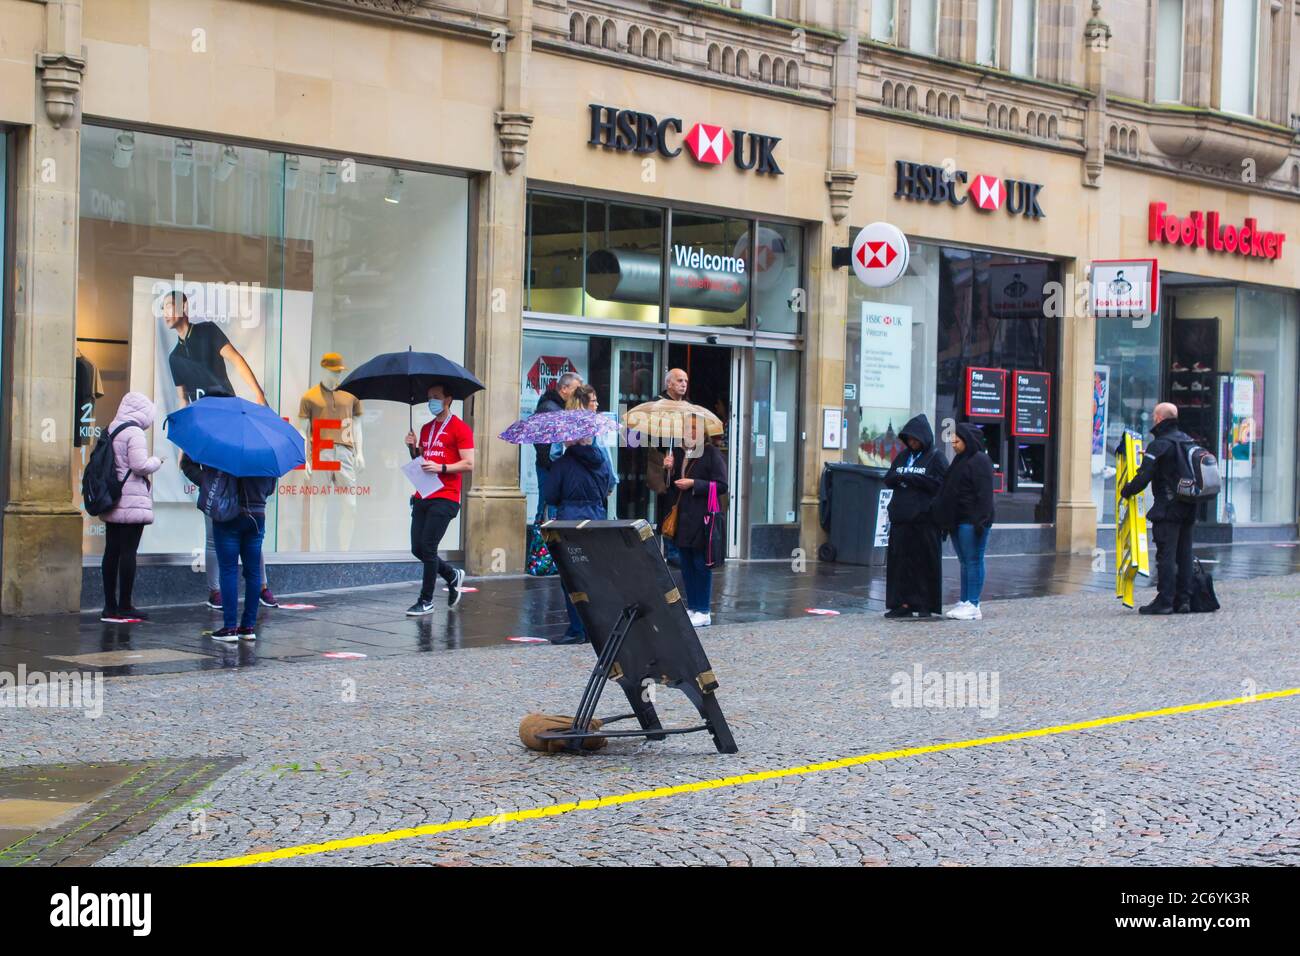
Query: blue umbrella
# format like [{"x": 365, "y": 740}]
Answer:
[{"x": 236, "y": 436}]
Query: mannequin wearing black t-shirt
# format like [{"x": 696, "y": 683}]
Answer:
[{"x": 198, "y": 360}]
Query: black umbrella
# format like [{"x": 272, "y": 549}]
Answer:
[{"x": 406, "y": 376}]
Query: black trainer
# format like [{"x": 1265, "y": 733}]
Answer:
[
  {"x": 899, "y": 612},
  {"x": 420, "y": 608},
  {"x": 453, "y": 588},
  {"x": 133, "y": 614},
  {"x": 1156, "y": 607},
  {"x": 1185, "y": 608},
  {"x": 111, "y": 615}
]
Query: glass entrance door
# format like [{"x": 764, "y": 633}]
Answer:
[{"x": 714, "y": 374}]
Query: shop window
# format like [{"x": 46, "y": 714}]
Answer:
[
  {"x": 1125, "y": 389},
  {"x": 1238, "y": 34},
  {"x": 288, "y": 257},
  {"x": 773, "y": 444},
  {"x": 624, "y": 372},
  {"x": 890, "y": 358},
  {"x": 1258, "y": 427},
  {"x": 624, "y": 245},
  {"x": 777, "y": 273},
  {"x": 708, "y": 264}
]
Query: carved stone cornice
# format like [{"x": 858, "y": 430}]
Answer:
[
  {"x": 60, "y": 81},
  {"x": 839, "y": 183},
  {"x": 513, "y": 129}
]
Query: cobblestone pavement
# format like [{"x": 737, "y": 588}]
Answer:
[{"x": 344, "y": 748}]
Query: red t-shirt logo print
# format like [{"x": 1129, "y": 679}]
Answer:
[
  {"x": 876, "y": 255},
  {"x": 708, "y": 144},
  {"x": 988, "y": 192}
]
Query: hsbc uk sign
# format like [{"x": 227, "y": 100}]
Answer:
[
  {"x": 935, "y": 184},
  {"x": 629, "y": 131}
]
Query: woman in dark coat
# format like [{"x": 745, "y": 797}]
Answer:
[
  {"x": 701, "y": 537},
  {"x": 965, "y": 511},
  {"x": 914, "y": 574},
  {"x": 577, "y": 486}
]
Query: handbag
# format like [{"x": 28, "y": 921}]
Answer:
[
  {"x": 1204, "y": 600},
  {"x": 716, "y": 550},
  {"x": 668, "y": 527},
  {"x": 540, "y": 563}
]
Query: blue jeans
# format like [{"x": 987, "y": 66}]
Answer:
[
  {"x": 698, "y": 578},
  {"x": 239, "y": 540},
  {"x": 969, "y": 545}
]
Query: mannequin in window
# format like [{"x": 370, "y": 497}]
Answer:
[{"x": 324, "y": 402}]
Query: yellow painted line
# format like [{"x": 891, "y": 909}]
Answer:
[{"x": 392, "y": 836}]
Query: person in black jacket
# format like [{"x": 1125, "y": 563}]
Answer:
[
  {"x": 701, "y": 537},
  {"x": 236, "y": 540},
  {"x": 964, "y": 510},
  {"x": 552, "y": 400},
  {"x": 914, "y": 570},
  {"x": 577, "y": 488},
  {"x": 1171, "y": 519}
]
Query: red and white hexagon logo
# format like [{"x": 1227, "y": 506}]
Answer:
[
  {"x": 988, "y": 192},
  {"x": 708, "y": 144}
]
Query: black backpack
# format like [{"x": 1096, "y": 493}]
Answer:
[{"x": 100, "y": 489}]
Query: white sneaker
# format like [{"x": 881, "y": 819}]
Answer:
[
  {"x": 952, "y": 611},
  {"x": 699, "y": 620},
  {"x": 979, "y": 615},
  {"x": 965, "y": 612}
]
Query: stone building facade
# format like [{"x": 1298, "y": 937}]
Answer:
[{"x": 128, "y": 125}]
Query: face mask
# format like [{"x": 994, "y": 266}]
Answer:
[
  {"x": 436, "y": 405},
  {"x": 331, "y": 379}
]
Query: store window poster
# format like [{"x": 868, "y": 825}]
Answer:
[
  {"x": 885, "y": 377},
  {"x": 1100, "y": 413},
  {"x": 1242, "y": 412}
]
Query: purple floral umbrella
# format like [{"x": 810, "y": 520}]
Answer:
[{"x": 567, "y": 425}]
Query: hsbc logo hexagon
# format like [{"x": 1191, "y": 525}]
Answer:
[
  {"x": 628, "y": 131},
  {"x": 987, "y": 191},
  {"x": 709, "y": 144}
]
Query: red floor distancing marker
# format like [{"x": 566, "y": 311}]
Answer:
[
  {"x": 820, "y": 610},
  {"x": 464, "y": 590},
  {"x": 528, "y": 640},
  {"x": 344, "y": 655},
  {"x": 298, "y": 607}
]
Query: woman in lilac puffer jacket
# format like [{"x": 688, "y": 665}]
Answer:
[{"x": 125, "y": 521}]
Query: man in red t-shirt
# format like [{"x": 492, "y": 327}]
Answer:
[{"x": 447, "y": 445}]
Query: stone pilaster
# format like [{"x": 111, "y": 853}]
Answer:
[
  {"x": 42, "y": 526},
  {"x": 495, "y": 508},
  {"x": 1096, "y": 43}
]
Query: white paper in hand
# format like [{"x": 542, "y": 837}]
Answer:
[{"x": 425, "y": 484}]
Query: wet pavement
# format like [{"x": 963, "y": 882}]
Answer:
[{"x": 370, "y": 621}]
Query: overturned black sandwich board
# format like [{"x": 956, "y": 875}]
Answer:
[{"x": 636, "y": 621}]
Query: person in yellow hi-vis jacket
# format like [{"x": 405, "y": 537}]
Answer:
[{"x": 1171, "y": 519}]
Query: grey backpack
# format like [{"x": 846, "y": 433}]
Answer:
[{"x": 1200, "y": 479}]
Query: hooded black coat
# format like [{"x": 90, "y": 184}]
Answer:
[
  {"x": 914, "y": 565},
  {"x": 967, "y": 493}
]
